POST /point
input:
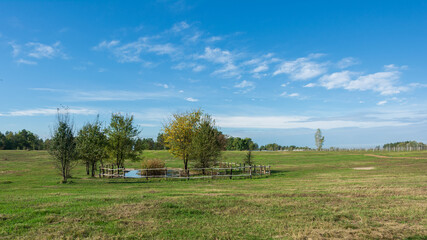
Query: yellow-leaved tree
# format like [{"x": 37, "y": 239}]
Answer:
[{"x": 179, "y": 132}]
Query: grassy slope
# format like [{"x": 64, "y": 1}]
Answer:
[{"x": 315, "y": 195}]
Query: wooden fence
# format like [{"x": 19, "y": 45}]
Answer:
[{"x": 112, "y": 171}]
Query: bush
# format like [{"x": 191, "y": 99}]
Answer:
[{"x": 150, "y": 164}]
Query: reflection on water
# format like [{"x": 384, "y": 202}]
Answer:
[{"x": 133, "y": 174}]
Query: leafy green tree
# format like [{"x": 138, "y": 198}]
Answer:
[
  {"x": 179, "y": 133},
  {"x": 92, "y": 145},
  {"x": 63, "y": 146},
  {"x": 122, "y": 136},
  {"x": 319, "y": 139},
  {"x": 206, "y": 144}
]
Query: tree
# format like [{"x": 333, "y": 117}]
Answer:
[
  {"x": 91, "y": 145},
  {"x": 249, "y": 159},
  {"x": 62, "y": 146},
  {"x": 206, "y": 144},
  {"x": 179, "y": 132},
  {"x": 319, "y": 139},
  {"x": 122, "y": 136}
]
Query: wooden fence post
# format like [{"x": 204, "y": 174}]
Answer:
[
  {"x": 231, "y": 173},
  {"x": 250, "y": 171}
]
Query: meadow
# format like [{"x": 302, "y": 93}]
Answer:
[{"x": 381, "y": 195}]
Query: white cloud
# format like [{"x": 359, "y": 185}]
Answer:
[
  {"x": 111, "y": 95},
  {"x": 163, "y": 85},
  {"x": 193, "y": 66},
  {"x": 23, "y": 61},
  {"x": 190, "y": 99},
  {"x": 36, "y": 50},
  {"x": 283, "y": 85},
  {"x": 105, "y": 44},
  {"x": 224, "y": 57},
  {"x": 39, "y": 50},
  {"x": 382, "y": 82},
  {"x": 214, "y": 39},
  {"x": 16, "y": 49},
  {"x": 381, "y": 103},
  {"x": 178, "y": 27},
  {"x": 260, "y": 68},
  {"x": 48, "y": 111},
  {"x": 291, "y": 122},
  {"x": 392, "y": 67},
  {"x": 198, "y": 68},
  {"x": 245, "y": 86},
  {"x": 309, "y": 85},
  {"x": 347, "y": 62},
  {"x": 302, "y": 68},
  {"x": 285, "y": 94},
  {"x": 132, "y": 51}
]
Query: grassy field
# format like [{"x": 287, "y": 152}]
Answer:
[{"x": 309, "y": 195}]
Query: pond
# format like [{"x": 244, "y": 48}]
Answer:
[{"x": 137, "y": 174}]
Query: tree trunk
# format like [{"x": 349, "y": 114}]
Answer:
[
  {"x": 87, "y": 167},
  {"x": 93, "y": 168}
]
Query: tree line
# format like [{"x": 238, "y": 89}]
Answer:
[
  {"x": 22, "y": 140},
  {"x": 413, "y": 144}
]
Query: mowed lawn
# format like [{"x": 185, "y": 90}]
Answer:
[{"x": 309, "y": 195}]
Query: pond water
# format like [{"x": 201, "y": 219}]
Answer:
[
  {"x": 137, "y": 174},
  {"x": 133, "y": 174}
]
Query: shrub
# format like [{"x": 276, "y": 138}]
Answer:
[{"x": 152, "y": 164}]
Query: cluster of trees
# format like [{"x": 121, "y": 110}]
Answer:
[
  {"x": 240, "y": 144},
  {"x": 22, "y": 140},
  {"x": 150, "y": 144},
  {"x": 413, "y": 144},
  {"x": 277, "y": 147},
  {"x": 93, "y": 144},
  {"x": 194, "y": 138}
]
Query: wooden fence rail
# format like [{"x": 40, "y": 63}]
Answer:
[{"x": 112, "y": 171}]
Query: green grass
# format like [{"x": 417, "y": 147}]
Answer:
[{"x": 309, "y": 195}]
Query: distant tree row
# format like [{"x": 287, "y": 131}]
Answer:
[
  {"x": 412, "y": 144},
  {"x": 150, "y": 144},
  {"x": 277, "y": 147},
  {"x": 240, "y": 144},
  {"x": 22, "y": 140}
]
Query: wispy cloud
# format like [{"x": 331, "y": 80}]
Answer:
[
  {"x": 381, "y": 102},
  {"x": 47, "y": 112},
  {"x": 131, "y": 52},
  {"x": 39, "y": 50},
  {"x": 163, "y": 85},
  {"x": 23, "y": 61},
  {"x": 347, "y": 62},
  {"x": 245, "y": 86},
  {"x": 190, "y": 99},
  {"x": 292, "y": 95},
  {"x": 36, "y": 50},
  {"x": 223, "y": 57},
  {"x": 178, "y": 27},
  {"x": 112, "y": 95},
  {"x": 383, "y": 82},
  {"x": 302, "y": 68},
  {"x": 292, "y": 122}
]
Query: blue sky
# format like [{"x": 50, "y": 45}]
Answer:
[{"x": 274, "y": 71}]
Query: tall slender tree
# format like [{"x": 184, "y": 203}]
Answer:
[
  {"x": 63, "y": 146},
  {"x": 122, "y": 136},
  {"x": 319, "y": 139}
]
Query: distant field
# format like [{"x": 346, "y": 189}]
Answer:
[{"x": 309, "y": 195}]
